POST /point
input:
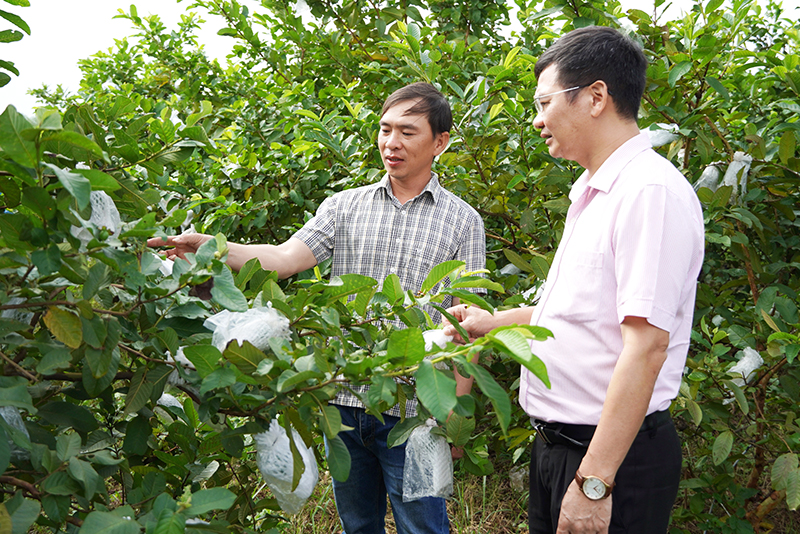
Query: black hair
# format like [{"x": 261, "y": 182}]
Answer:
[
  {"x": 431, "y": 103},
  {"x": 586, "y": 55}
]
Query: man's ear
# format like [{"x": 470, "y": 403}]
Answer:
[
  {"x": 600, "y": 97},
  {"x": 440, "y": 143}
]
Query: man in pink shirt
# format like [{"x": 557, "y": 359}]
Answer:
[{"x": 619, "y": 299}]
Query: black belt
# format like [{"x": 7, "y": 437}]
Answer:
[{"x": 581, "y": 435}]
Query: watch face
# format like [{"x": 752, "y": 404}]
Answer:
[{"x": 594, "y": 488}]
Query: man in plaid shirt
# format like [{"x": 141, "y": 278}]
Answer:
[{"x": 405, "y": 224}]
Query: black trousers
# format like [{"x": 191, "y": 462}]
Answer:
[{"x": 646, "y": 483}]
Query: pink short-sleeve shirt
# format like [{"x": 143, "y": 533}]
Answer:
[{"x": 632, "y": 246}]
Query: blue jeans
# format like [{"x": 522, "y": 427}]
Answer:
[{"x": 376, "y": 470}]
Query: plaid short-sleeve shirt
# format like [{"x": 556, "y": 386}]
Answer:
[{"x": 368, "y": 231}]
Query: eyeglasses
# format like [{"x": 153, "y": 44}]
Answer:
[{"x": 540, "y": 107}]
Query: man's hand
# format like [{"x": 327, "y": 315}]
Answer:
[
  {"x": 476, "y": 321},
  {"x": 581, "y": 515},
  {"x": 182, "y": 244}
]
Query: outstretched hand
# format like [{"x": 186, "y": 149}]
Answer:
[{"x": 182, "y": 244}]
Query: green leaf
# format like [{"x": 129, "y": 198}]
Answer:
[
  {"x": 211, "y": 499},
  {"x": 100, "y": 181},
  {"x": 348, "y": 284},
  {"x": 392, "y": 289},
  {"x": 400, "y": 432},
  {"x": 176, "y": 218},
  {"x": 11, "y": 141},
  {"x": 109, "y": 523},
  {"x": 722, "y": 447},
  {"x": 24, "y": 516},
  {"x": 65, "y": 326},
  {"x": 782, "y": 469},
  {"x": 220, "y": 378},
  {"x": 459, "y": 429},
  {"x": 677, "y": 72},
  {"x": 17, "y": 395},
  {"x": 99, "y": 362},
  {"x": 137, "y": 433},
  {"x": 16, "y": 20},
  {"x": 225, "y": 292},
  {"x": 406, "y": 346},
  {"x": 76, "y": 140},
  {"x": 170, "y": 522},
  {"x": 517, "y": 260},
  {"x": 78, "y": 186},
  {"x": 330, "y": 420},
  {"x": 10, "y": 36},
  {"x": 290, "y": 378},
  {"x": 438, "y": 273},
  {"x": 62, "y": 413},
  {"x": 515, "y": 344},
  {"x": 204, "y": 357},
  {"x": 338, "y": 459},
  {"x": 718, "y": 87},
  {"x": 246, "y": 357},
  {"x": 435, "y": 390},
  {"x": 48, "y": 260},
  {"x": 39, "y": 200},
  {"x": 540, "y": 266},
  {"x": 60, "y": 483},
  {"x": 497, "y": 395},
  {"x": 158, "y": 377},
  {"x": 787, "y": 147},
  {"x": 741, "y": 400},
  {"x": 139, "y": 391},
  {"x": 5, "y": 451},
  {"x": 793, "y": 491},
  {"x": 477, "y": 281},
  {"x": 84, "y": 473},
  {"x": 11, "y": 192},
  {"x": 468, "y": 297},
  {"x": 67, "y": 446},
  {"x": 206, "y": 109}
]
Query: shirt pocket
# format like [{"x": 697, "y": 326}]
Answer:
[{"x": 577, "y": 292}]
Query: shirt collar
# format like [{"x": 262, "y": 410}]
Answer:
[
  {"x": 609, "y": 171},
  {"x": 431, "y": 187}
]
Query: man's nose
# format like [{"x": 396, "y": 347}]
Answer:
[
  {"x": 393, "y": 140},
  {"x": 538, "y": 121}
]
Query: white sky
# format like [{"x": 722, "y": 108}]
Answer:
[{"x": 64, "y": 32}]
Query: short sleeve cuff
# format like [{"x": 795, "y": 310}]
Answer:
[
  {"x": 317, "y": 247},
  {"x": 646, "y": 309}
]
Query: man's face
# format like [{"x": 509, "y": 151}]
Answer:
[
  {"x": 561, "y": 121},
  {"x": 407, "y": 143}
]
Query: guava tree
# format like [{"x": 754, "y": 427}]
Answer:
[{"x": 92, "y": 327}]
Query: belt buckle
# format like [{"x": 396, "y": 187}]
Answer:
[{"x": 539, "y": 427}]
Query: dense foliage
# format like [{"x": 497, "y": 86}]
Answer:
[{"x": 91, "y": 326}]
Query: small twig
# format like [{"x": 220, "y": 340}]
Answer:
[{"x": 18, "y": 367}]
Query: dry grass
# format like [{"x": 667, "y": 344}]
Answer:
[{"x": 479, "y": 505}]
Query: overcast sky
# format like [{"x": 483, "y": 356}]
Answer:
[{"x": 66, "y": 31}]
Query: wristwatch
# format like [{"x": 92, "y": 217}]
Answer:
[{"x": 595, "y": 488}]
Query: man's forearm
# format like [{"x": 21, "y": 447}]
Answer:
[
  {"x": 627, "y": 399},
  {"x": 288, "y": 258}
]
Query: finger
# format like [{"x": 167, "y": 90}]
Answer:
[{"x": 157, "y": 242}]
